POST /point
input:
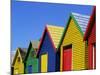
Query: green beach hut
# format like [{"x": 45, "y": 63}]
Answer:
[{"x": 31, "y": 62}]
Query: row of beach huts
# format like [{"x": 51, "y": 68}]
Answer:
[{"x": 60, "y": 49}]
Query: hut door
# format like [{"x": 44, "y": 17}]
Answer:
[
  {"x": 16, "y": 71},
  {"x": 94, "y": 56},
  {"x": 67, "y": 58},
  {"x": 30, "y": 69},
  {"x": 44, "y": 63}
]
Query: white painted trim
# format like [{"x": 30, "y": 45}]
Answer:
[{"x": 93, "y": 58}]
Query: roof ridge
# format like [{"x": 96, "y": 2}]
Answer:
[
  {"x": 35, "y": 43},
  {"x": 54, "y": 31},
  {"x": 83, "y": 15},
  {"x": 82, "y": 20},
  {"x": 23, "y": 50}
]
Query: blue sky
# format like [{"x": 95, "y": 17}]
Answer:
[{"x": 29, "y": 19}]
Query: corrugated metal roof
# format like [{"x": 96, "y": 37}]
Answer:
[
  {"x": 23, "y": 52},
  {"x": 91, "y": 23},
  {"x": 35, "y": 44},
  {"x": 82, "y": 20},
  {"x": 56, "y": 33}
]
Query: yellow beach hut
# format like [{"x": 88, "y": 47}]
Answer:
[
  {"x": 18, "y": 65},
  {"x": 72, "y": 47}
]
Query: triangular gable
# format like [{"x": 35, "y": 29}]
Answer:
[
  {"x": 91, "y": 23},
  {"x": 42, "y": 39},
  {"x": 55, "y": 33},
  {"x": 67, "y": 25},
  {"x": 23, "y": 52},
  {"x": 35, "y": 44},
  {"x": 49, "y": 29},
  {"x": 16, "y": 54},
  {"x": 82, "y": 20},
  {"x": 29, "y": 49}
]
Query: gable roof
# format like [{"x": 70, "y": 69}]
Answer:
[
  {"x": 81, "y": 22},
  {"x": 54, "y": 32},
  {"x": 22, "y": 52},
  {"x": 34, "y": 44},
  {"x": 91, "y": 23}
]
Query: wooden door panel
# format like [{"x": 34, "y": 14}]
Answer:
[
  {"x": 44, "y": 63},
  {"x": 67, "y": 59}
]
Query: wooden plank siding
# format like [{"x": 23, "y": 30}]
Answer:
[
  {"x": 73, "y": 35},
  {"x": 48, "y": 44},
  {"x": 90, "y": 37}
]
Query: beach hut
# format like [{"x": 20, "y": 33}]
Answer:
[
  {"x": 31, "y": 62},
  {"x": 18, "y": 62},
  {"x": 47, "y": 53},
  {"x": 72, "y": 47},
  {"x": 90, "y": 37}
]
